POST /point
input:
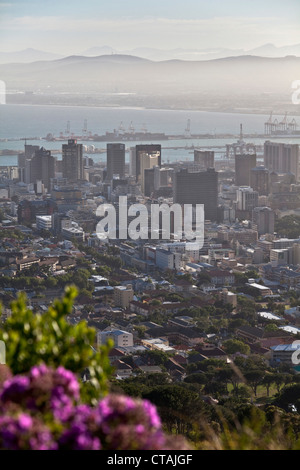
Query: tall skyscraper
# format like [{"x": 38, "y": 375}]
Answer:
[
  {"x": 260, "y": 180},
  {"x": 163, "y": 177},
  {"x": 263, "y": 220},
  {"x": 282, "y": 158},
  {"x": 243, "y": 165},
  {"x": 39, "y": 166},
  {"x": 72, "y": 161},
  {"x": 143, "y": 150},
  {"x": 198, "y": 187},
  {"x": 23, "y": 165},
  {"x": 132, "y": 161},
  {"x": 204, "y": 158},
  {"x": 247, "y": 198},
  {"x": 115, "y": 161},
  {"x": 148, "y": 186},
  {"x": 147, "y": 162},
  {"x": 42, "y": 167}
]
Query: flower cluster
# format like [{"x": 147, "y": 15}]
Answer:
[
  {"x": 43, "y": 389},
  {"x": 42, "y": 410},
  {"x": 22, "y": 431}
]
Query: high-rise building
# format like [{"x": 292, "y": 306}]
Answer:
[
  {"x": 247, "y": 198},
  {"x": 260, "y": 180},
  {"x": 72, "y": 161},
  {"x": 198, "y": 187},
  {"x": 263, "y": 220},
  {"x": 143, "y": 150},
  {"x": 282, "y": 158},
  {"x": 163, "y": 177},
  {"x": 132, "y": 161},
  {"x": 29, "y": 151},
  {"x": 147, "y": 162},
  {"x": 243, "y": 165},
  {"x": 41, "y": 167},
  {"x": 204, "y": 158},
  {"x": 60, "y": 221},
  {"x": 23, "y": 162},
  {"x": 115, "y": 162},
  {"x": 148, "y": 182}
]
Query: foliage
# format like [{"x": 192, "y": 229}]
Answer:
[
  {"x": 232, "y": 346},
  {"x": 178, "y": 406},
  {"x": 288, "y": 226},
  {"x": 58, "y": 394},
  {"x": 289, "y": 398},
  {"x": 34, "y": 338},
  {"x": 42, "y": 411}
]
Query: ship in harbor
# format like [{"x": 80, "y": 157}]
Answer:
[
  {"x": 117, "y": 135},
  {"x": 128, "y": 136},
  {"x": 131, "y": 134}
]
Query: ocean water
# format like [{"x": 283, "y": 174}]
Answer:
[{"x": 18, "y": 122}]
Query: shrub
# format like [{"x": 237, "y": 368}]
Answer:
[
  {"x": 42, "y": 411},
  {"x": 48, "y": 338}
]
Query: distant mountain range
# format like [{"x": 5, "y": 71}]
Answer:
[
  {"x": 131, "y": 74},
  {"x": 266, "y": 50},
  {"x": 241, "y": 82},
  {"x": 27, "y": 56}
]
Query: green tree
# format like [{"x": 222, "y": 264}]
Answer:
[
  {"x": 254, "y": 378},
  {"x": 233, "y": 346},
  {"x": 178, "y": 407},
  {"x": 289, "y": 398},
  {"x": 288, "y": 226},
  {"x": 49, "y": 338}
]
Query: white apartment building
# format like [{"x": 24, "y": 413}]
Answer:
[
  {"x": 44, "y": 222},
  {"x": 120, "y": 338}
]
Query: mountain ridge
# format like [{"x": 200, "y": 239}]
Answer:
[{"x": 265, "y": 50}]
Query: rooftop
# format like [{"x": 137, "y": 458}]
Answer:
[{"x": 286, "y": 347}]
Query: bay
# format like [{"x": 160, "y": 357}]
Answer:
[{"x": 18, "y": 122}]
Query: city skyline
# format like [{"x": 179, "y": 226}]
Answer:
[{"x": 70, "y": 28}]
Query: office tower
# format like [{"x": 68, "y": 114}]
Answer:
[
  {"x": 132, "y": 161},
  {"x": 243, "y": 166},
  {"x": 204, "y": 158},
  {"x": 148, "y": 182},
  {"x": 260, "y": 180},
  {"x": 142, "y": 150},
  {"x": 115, "y": 161},
  {"x": 72, "y": 161},
  {"x": 29, "y": 151},
  {"x": 147, "y": 162},
  {"x": 282, "y": 158},
  {"x": 198, "y": 187},
  {"x": 263, "y": 220},
  {"x": 163, "y": 177},
  {"x": 41, "y": 167},
  {"x": 60, "y": 221},
  {"x": 247, "y": 198}
]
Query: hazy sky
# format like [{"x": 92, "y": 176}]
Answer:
[{"x": 72, "y": 26}]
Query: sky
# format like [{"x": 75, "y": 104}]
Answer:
[{"x": 73, "y": 26}]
